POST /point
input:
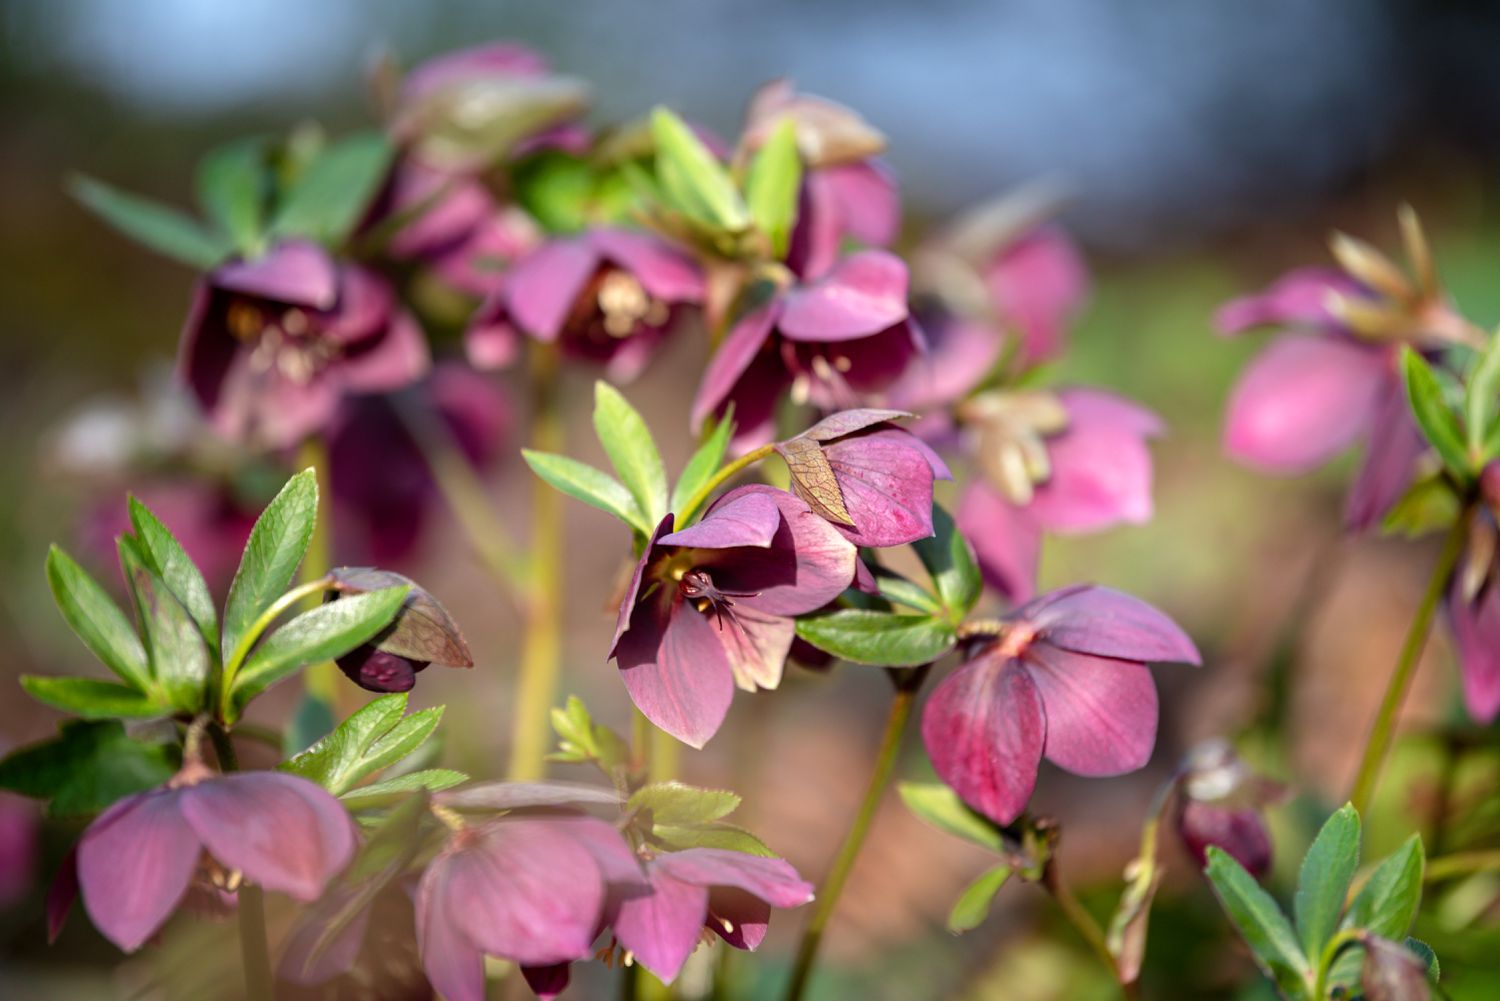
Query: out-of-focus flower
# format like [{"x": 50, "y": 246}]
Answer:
[
  {"x": 834, "y": 341},
  {"x": 1065, "y": 678},
  {"x": 271, "y": 345},
  {"x": 529, "y": 889},
  {"x": 1070, "y": 462},
  {"x": 210, "y": 520},
  {"x": 380, "y": 476},
  {"x": 1392, "y": 972},
  {"x": 1221, "y": 803},
  {"x": 136, "y": 861},
  {"x": 710, "y": 607},
  {"x": 869, "y": 477},
  {"x": 608, "y": 296},
  {"x": 729, "y": 893},
  {"x": 1473, "y": 607},
  {"x": 20, "y": 848},
  {"x": 960, "y": 354}
]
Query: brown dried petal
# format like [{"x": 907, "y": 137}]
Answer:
[{"x": 813, "y": 479}]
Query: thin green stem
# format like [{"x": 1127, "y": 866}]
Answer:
[
  {"x": 843, "y": 863},
  {"x": 1079, "y": 917},
  {"x": 247, "y": 642},
  {"x": 719, "y": 479},
  {"x": 1331, "y": 951},
  {"x": 1382, "y": 731},
  {"x": 1446, "y": 867}
]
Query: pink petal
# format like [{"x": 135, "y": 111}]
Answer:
[
  {"x": 397, "y": 358},
  {"x": 818, "y": 233},
  {"x": 739, "y": 918},
  {"x": 447, "y": 208},
  {"x": 807, "y": 566},
  {"x": 866, "y": 200},
  {"x": 680, "y": 678},
  {"x": 295, "y": 272},
  {"x": 298, "y": 962},
  {"x": 134, "y": 864},
  {"x": 1108, "y": 623},
  {"x": 1391, "y": 453},
  {"x": 984, "y": 730},
  {"x": 1006, "y": 539},
  {"x": 886, "y": 483},
  {"x": 1297, "y": 299},
  {"x": 861, "y": 295},
  {"x": 454, "y": 965},
  {"x": 605, "y": 844},
  {"x": 285, "y": 833},
  {"x": 662, "y": 928},
  {"x": 1302, "y": 401},
  {"x": 543, "y": 286},
  {"x": 732, "y": 362},
  {"x": 1101, "y": 713},
  {"x": 740, "y": 518},
  {"x": 1242, "y": 833},
  {"x": 846, "y": 422},
  {"x": 652, "y": 622},
  {"x": 1038, "y": 285},
  {"x": 493, "y": 60},
  {"x": 663, "y": 271},
  {"x": 1476, "y": 638},
  {"x": 959, "y": 355},
  {"x": 756, "y": 645},
  {"x": 773, "y": 880},
  {"x": 1101, "y": 467},
  {"x": 491, "y": 340}
]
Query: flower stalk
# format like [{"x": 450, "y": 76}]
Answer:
[
  {"x": 255, "y": 950},
  {"x": 724, "y": 475}
]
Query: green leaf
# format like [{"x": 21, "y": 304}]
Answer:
[
  {"x": 1327, "y": 869},
  {"x": 950, "y": 562},
  {"x": 692, "y": 178},
  {"x": 705, "y": 461},
  {"x": 677, "y": 804},
  {"x": 333, "y": 192},
  {"x": 904, "y": 592},
  {"x": 276, "y": 546},
  {"x": 581, "y": 740},
  {"x": 942, "y": 808},
  {"x": 175, "y": 649},
  {"x": 87, "y": 767},
  {"x": 92, "y": 699},
  {"x": 973, "y": 905},
  {"x": 772, "y": 185},
  {"x": 628, "y": 443},
  {"x": 171, "y": 563},
  {"x": 725, "y": 836},
  {"x": 389, "y": 791},
  {"x": 97, "y": 620},
  {"x": 231, "y": 183},
  {"x": 328, "y": 631},
  {"x": 1481, "y": 397},
  {"x": 373, "y": 738},
  {"x": 883, "y": 639},
  {"x": 1424, "y": 952},
  {"x": 163, "y": 229},
  {"x": 1387, "y": 905},
  {"x": 1427, "y": 506},
  {"x": 1439, "y": 425},
  {"x": 1260, "y": 922},
  {"x": 555, "y": 189},
  {"x": 592, "y": 486}
]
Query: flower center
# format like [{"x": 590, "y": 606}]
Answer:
[
  {"x": 697, "y": 588},
  {"x": 286, "y": 343},
  {"x": 821, "y": 374},
  {"x": 1016, "y": 639},
  {"x": 1013, "y": 431},
  {"x": 625, "y": 305}
]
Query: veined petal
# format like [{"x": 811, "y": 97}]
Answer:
[
  {"x": 771, "y": 879},
  {"x": 681, "y": 678},
  {"x": 739, "y": 518},
  {"x": 1108, "y": 623},
  {"x": 861, "y": 295},
  {"x": 662, "y": 927},
  {"x": 454, "y": 965},
  {"x": 807, "y": 565},
  {"x": 886, "y": 481},
  {"x": 134, "y": 864},
  {"x": 1101, "y": 713},
  {"x": 543, "y": 286},
  {"x": 756, "y": 644}
]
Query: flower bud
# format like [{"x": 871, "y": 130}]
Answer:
[
  {"x": 374, "y": 670},
  {"x": 1220, "y": 806},
  {"x": 422, "y": 633}
]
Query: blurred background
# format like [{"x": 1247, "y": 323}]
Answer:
[{"x": 1207, "y": 147}]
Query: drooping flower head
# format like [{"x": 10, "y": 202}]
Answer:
[
  {"x": 272, "y": 344},
  {"x": 137, "y": 860},
  {"x": 608, "y": 296},
  {"x": 1473, "y": 610},
  {"x": 710, "y": 607},
  {"x": 421, "y": 634},
  {"x": 1065, "y": 679},
  {"x": 1221, "y": 804}
]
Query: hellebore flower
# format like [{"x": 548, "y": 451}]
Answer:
[
  {"x": 136, "y": 861},
  {"x": 729, "y": 893},
  {"x": 833, "y": 341},
  {"x": 608, "y": 296},
  {"x": 1072, "y": 462},
  {"x": 1317, "y": 389},
  {"x": 871, "y": 479},
  {"x": 529, "y": 889},
  {"x": 1220, "y": 804},
  {"x": 272, "y": 344},
  {"x": 1065, "y": 678},
  {"x": 423, "y": 632},
  {"x": 209, "y": 519},
  {"x": 381, "y": 478},
  {"x": 20, "y": 848},
  {"x": 710, "y": 607},
  {"x": 1473, "y": 607}
]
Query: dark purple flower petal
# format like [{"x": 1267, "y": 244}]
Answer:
[
  {"x": 739, "y": 918},
  {"x": 886, "y": 481},
  {"x": 743, "y": 518},
  {"x": 134, "y": 864},
  {"x": 1101, "y": 713},
  {"x": 677, "y": 673},
  {"x": 546, "y": 982},
  {"x": 657, "y": 621},
  {"x": 863, "y": 294},
  {"x": 662, "y": 927},
  {"x": 984, "y": 729},
  {"x": 1108, "y": 623},
  {"x": 807, "y": 565},
  {"x": 375, "y": 670},
  {"x": 665, "y": 272},
  {"x": 1240, "y": 832},
  {"x": 731, "y": 364},
  {"x": 1007, "y": 540},
  {"x": 61, "y": 894}
]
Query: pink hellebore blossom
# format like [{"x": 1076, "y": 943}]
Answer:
[
  {"x": 1066, "y": 679},
  {"x": 1475, "y": 621},
  {"x": 136, "y": 861},
  {"x": 711, "y": 606},
  {"x": 1037, "y": 285},
  {"x": 1316, "y": 390},
  {"x": 272, "y": 344},
  {"x": 1221, "y": 804},
  {"x": 609, "y": 296}
]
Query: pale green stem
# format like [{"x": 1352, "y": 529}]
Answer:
[
  {"x": 702, "y": 494},
  {"x": 260, "y": 625},
  {"x": 1459, "y": 864}
]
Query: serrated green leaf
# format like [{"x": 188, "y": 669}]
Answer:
[
  {"x": 87, "y": 767},
  {"x": 388, "y": 791},
  {"x": 973, "y": 905},
  {"x": 328, "y": 631},
  {"x": 882, "y": 639},
  {"x": 1387, "y": 904},
  {"x": 772, "y": 186},
  {"x": 373, "y": 738},
  {"x": 159, "y": 227},
  {"x": 231, "y": 182},
  {"x": 1323, "y": 882},
  {"x": 941, "y": 807},
  {"x": 276, "y": 546},
  {"x": 949, "y": 560},
  {"x": 1439, "y": 426},
  {"x": 725, "y": 836},
  {"x": 631, "y": 450},
  {"x": 592, "y": 486},
  {"x": 1424, "y": 952},
  {"x": 175, "y": 649},
  {"x": 677, "y": 804},
  {"x": 171, "y": 563},
  {"x": 704, "y": 462},
  {"x": 98, "y": 621},
  {"x": 333, "y": 192},
  {"x": 581, "y": 740},
  {"x": 901, "y": 591},
  {"x": 93, "y": 699},
  {"x": 1260, "y": 922},
  {"x": 692, "y": 179}
]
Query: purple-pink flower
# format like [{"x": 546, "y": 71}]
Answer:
[
  {"x": 608, "y": 296},
  {"x": 1037, "y": 285},
  {"x": 833, "y": 341},
  {"x": 1065, "y": 679},
  {"x": 272, "y": 344},
  {"x": 1474, "y": 616},
  {"x": 711, "y": 607},
  {"x": 137, "y": 860},
  {"x": 730, "y": 893},
  {"x": 1220, "y": 804}
]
